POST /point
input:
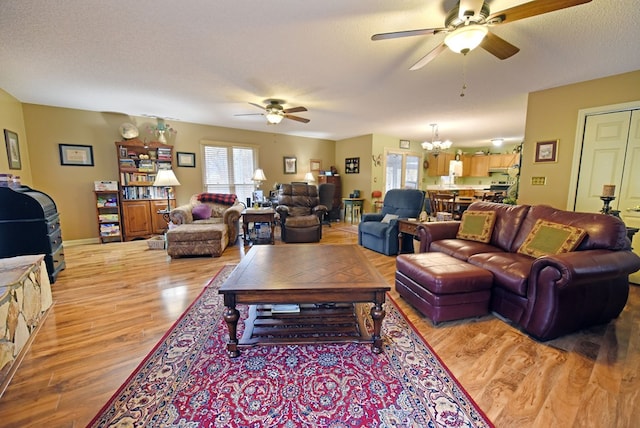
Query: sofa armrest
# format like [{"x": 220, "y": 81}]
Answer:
[
  {"x": 578, "y": 289},
  {"x": 181, "y": 214},
  {"x": 436, "y": 231},
  {"x": 231, "y": 217}
]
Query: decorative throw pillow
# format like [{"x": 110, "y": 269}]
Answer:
[
  {"x": 548, "y": 238},
  {"x": 219, "y": 198},
  {"x": 201, "y": 212},
  {"x": 388, "y": 217},
  {"x": 476, "y": 226}
]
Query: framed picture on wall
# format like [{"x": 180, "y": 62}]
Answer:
[
  {"x": 76, "y": 155},
  {"x": 186, "y": 159},
  {"x": 546, "y": 151},
  {"x": 405, "y": 144},
  {"x": 13, "y": 149},
  {"x": 315, "y": 164},
  {"x": 352, "y": 165},
  {"x": 290, "y": 165}
]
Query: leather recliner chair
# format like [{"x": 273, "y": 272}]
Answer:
[{"x": 300, "y": 213}]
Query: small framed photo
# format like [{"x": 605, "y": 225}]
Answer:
[
  {"x": 352, "y": 165},
  {"x": 186, "y": 159},
  {"x": 315, "y": 164},
  {"x": 76, "y": 155},
  {"x": 546, "y": 151},
  {"x": 405, "y": 144},
  {"x": 290, "y": 165},
  {"x": 13, "y": 149},
  {"x": 123, "y": 152}
]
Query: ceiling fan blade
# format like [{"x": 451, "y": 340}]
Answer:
[
  {"x": 409, "y": 33},
  {"x": 498, "y": 46},
  {"x": 429, "y": 57},
  {"x": 258, "y": 105},
  {"x": 298, "y": 118},
  {"x": 249, "y": 114},
  {"x": 294, "y": 110},
  {"x": 532, "y": 8}
]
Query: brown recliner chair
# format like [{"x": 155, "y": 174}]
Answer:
[{"x": 300, "y": 213}]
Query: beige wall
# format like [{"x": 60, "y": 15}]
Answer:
[
  {"x": 552, "y": 114},
  {"x": 12, "y": 119},
  {"x": 72, "y": 186},
  {"x": 356, "y": 147}
]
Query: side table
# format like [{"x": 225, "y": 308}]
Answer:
[
  {"x": 355, "y": 205},
  {"x": 406, "y": 228},
  {"x": 258, "y": 215}
]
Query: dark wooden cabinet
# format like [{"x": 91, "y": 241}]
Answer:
[
  {"x": 30, "y": 224},
  {"x": 336, "y": 209}
]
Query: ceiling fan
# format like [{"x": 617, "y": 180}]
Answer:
[
  {"x": 275, "y": 112},
  {"x": 467, "y": 25}
]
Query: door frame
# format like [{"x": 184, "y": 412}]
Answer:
[{"x": 577, "y": 147}]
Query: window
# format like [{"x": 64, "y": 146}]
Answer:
[
  {"x": 402, "y": 171},
  {"x": 228, "y": 169}
]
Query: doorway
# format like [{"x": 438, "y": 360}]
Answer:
[{"x": 608, "y": 153}]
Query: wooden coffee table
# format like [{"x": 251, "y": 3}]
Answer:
[{"x": 331, "y": 283}]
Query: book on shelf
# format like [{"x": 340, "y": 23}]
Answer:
[
  {"x": 109, "y": 229},
  {"x": 108, "y": 217},
  {"x": 146, "y": 165},
  {"x": 127, "y": 163}
]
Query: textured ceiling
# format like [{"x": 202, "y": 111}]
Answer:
[{"x": 203, "y": 61}]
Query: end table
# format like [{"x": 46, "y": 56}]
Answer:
[{"x": 258, "y": 215}]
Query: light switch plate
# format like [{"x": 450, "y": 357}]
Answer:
[{"x": 538, "y": 181}]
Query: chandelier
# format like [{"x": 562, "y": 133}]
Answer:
[{"x": 436, "y": 145}]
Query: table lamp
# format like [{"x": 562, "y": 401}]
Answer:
[
  {"x": 166, "y": 178},
  {"x": 258, "y": 177},
  {"x": 308, "y": 177}
]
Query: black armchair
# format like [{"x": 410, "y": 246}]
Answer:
[{"x": 300, "y": 213}]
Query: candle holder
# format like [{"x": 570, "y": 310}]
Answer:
[{"x": 606, "y": 209}]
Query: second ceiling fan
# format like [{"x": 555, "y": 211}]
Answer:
[
  {"x": 275, "y": 112},
  {"x": 467, "y": 25}
]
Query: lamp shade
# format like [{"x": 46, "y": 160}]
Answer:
[
  {"x": 466, "y": 39},
  {"x": 258, "y": 175},
  {"x": 308, "y": 177},
  {"x": 166, "y": 178}
]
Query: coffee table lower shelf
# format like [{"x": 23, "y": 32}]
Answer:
[{"x": 339, "y": 323}]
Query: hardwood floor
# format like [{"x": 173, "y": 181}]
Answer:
[{"x": 115, "y": 301}]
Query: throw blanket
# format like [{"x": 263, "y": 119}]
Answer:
[{"x": 219, "y": 198}]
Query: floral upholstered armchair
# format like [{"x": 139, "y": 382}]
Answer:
[{"x": 207, "y": 208}]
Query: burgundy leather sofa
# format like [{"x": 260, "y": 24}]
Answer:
[{"x": 552, "y": 295}]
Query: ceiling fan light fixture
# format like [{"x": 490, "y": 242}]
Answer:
[
  {"x": 274, "y": 117},
  {"x": 497, "y": 142},
  {"x": 467, "y": 38}
]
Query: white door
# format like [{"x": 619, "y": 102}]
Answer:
[
  {"x": 603, "y": 153},
  {"x": 629, "y": 196},
  {"x": 611, "y": 149}
]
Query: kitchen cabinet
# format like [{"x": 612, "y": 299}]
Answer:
[
  {"x": 503, "y": 161},
  {"x": 479, "y": 166},
  {"x": 439, "y": 165}
]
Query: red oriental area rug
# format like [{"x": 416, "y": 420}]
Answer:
[{"x": 188, "y": 381}]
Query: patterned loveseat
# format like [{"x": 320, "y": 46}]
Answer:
[{"x": 205, "y": 226}]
